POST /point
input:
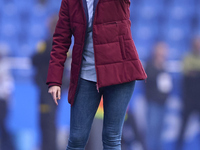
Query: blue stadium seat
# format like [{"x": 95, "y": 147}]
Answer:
[
  {"x": 1, "y": 4},
  {"x": 25, "y": 19},
  {"x": 25, "y": 50},
  {"x": 134, "y": 9},
  {"x": 144, "y": 49},
  {"x": 9, "y": 30},
  {"x": 180, "y": 13},
  {"x": 198, "y": 2},
  {"x": 177, "y": 34},
  {"x": 145, "y": 30},
  {"x": 184, "y": 2},
  {"x": 144, "y": 36},
  {"x": 156, "y": 4},
  {"x": 39, "y": 13},
  {"x": 9, "y": 34},
  {"x": 135, "y": 2},
  {"x": 24, "y": 4},
  {"x": 149, "y": 12},
  {"x": 7, "y": 1},
  {"x": 55, "y": 4},
  {"x": 13, "y": 45},
  {"x": 9, "y": 12},
  {"x": 38, "y": 31}
]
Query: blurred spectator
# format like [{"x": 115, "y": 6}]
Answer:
[
  {"x": 43, "y": 1},
  {"x": 131, "y": 133},
  {"x": 158, "y": 87},
  {"x": 48, "y": 108},
  {"x": 191, "y": 87},
  {"x": 6, "y": 86}
]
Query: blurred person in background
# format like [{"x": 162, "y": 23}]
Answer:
[
  {"x": 132, "y": 133},
  {"x": 158, "y": 86},
  {"x": 40, "y": 61},
  {"x": 104, "y": 62},
  {"x": 191, "y": 87},
  {"x": 43, "y": 2},
  {"x": 6, "y": 88}
]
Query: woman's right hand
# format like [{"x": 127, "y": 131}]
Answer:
[{"x": 55, "y": 91}]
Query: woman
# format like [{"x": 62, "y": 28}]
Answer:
[{"x": 104, "y": 62}]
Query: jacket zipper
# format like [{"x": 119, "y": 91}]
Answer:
[
  {"x": 82, "y": 50},
  {"x": 97, "y": 85}
]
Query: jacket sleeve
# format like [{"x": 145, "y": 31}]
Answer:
[{"x": 61, "y": 43}]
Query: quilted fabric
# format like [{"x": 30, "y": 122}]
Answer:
[{"x": 116, "y": 57}]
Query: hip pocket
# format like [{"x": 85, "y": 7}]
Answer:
[{"x": 122, "y": 46}]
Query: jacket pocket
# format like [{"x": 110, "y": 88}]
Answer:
[
  {"x": 110, "y": 23},
  {"x": 122, "y": 46}
]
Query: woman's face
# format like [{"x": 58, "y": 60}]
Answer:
[
  {"x": 196, "y": 46},
  {"x": 160, "y": 52}
]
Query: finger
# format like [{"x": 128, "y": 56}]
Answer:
[
  {"x": 56, "y": 101},
  {"x": 49, "y": 91},
  {"x": 55, "y": 98},
  {"x": 59, "y": 94}
]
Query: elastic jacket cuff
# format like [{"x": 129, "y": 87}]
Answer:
[{"x": 53, "y": 84}]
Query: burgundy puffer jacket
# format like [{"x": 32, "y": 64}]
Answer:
[{"x": 116, "y": 58}]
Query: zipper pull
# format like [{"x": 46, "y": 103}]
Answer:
[{"x": 97, "y": 88}]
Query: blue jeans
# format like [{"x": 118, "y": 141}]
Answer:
[{"x": 115, "y": 100}]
